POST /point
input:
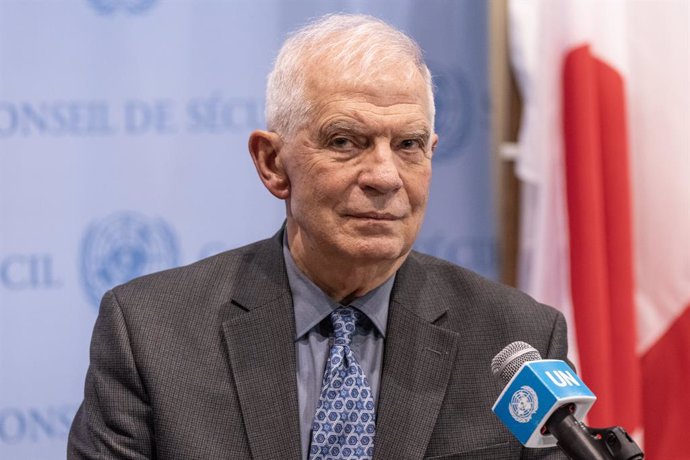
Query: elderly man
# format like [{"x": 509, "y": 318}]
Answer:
[{"x": 333, "y": 339}]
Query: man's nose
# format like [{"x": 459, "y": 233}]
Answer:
[{"x": 381, "y": 169}]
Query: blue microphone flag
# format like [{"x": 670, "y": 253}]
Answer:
[{"x": 534, "y": 393}]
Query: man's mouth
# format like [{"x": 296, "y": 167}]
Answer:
[{"x": 383, "y": 216}]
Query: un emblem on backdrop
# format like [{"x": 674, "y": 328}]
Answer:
[
  {"x": 455, "y": 111},
  {"x": 124, "y": 246},
  {"x": 130, "y": 6}
]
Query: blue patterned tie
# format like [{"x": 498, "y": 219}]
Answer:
[{"x": 344, "y": 424}]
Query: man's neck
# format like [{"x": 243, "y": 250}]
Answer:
[{"x": 344, "y": 280}]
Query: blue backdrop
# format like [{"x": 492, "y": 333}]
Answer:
[{"x": 123, "y": 130}]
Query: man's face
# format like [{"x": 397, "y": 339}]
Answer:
[{"x": 359, "y": 171}]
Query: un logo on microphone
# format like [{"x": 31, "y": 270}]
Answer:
[
  {"x": 523, "y": 404},
  {"x": 130, "y": 6},
  {"x": 124, "y": 246}
]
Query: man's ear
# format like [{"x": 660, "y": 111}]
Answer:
[
  {"x": 434, "y": 142},
  {"x": 264, "y": 147}
]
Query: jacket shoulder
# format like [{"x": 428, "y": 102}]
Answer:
[
  {"x": 460, "y": 281},
  {"x": 493, "y": 314},
  {"x": 210, "y": 281}
]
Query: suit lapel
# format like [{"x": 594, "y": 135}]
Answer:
[
  {"x": 259, "y": 332},
  {"x": 418, "y": 359}
]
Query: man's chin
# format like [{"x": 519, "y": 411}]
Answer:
[{"x": 377, "y": 249}]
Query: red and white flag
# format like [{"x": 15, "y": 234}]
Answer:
[{"x": 604, "y": 158}]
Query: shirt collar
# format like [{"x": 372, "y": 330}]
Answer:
[{"x": 312, "y": 305}]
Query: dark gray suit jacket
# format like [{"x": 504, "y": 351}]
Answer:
[{"x": 198, "y": 362}]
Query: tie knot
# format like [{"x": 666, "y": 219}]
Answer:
[{"x": 344, "y": 321}]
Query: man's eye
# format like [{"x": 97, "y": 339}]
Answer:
[
  {"x": 341, "y": 143},
  {"x": 410, "y": 144}
]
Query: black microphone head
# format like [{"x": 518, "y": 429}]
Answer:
[{"x": 509, "y": 360}]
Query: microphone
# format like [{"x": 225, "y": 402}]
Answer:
[{"x": 542, "y": 403}]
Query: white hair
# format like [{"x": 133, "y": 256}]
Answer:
[{"x": 358, "y": 45}]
